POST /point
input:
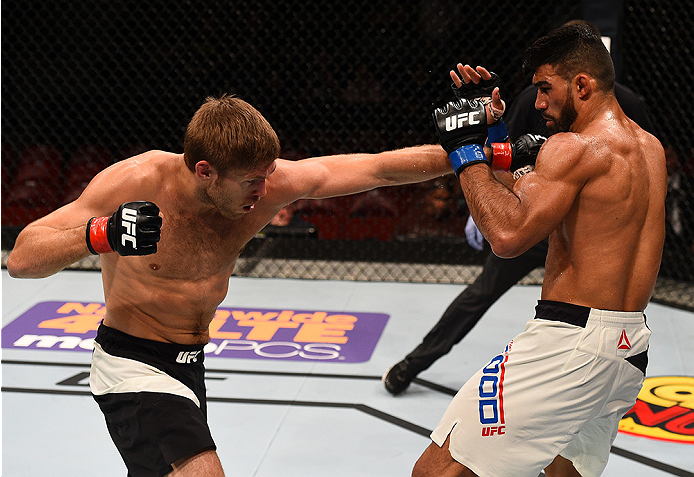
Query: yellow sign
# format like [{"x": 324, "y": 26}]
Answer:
[{"x": 664, "y": 410}]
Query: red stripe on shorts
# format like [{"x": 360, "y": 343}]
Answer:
[{"x": 501, "y": 390}]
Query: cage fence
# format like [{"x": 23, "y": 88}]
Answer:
[{"x": 86, "y": 84}]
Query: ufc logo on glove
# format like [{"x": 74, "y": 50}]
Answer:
[
  {"x": 129, "y": 218},
  {"x": 134, "y": 229},
  {"x": 462, "y": 120}
]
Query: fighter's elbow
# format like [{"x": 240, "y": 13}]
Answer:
[
  {"x": 17, "y": 267},
  {"x": 506, "y": 245},
  {"x": 15, "y": 270}
]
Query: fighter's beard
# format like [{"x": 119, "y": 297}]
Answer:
[{"x": 567, "y": 116}]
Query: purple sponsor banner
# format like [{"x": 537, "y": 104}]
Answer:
[{"x": 255, "y": 333}]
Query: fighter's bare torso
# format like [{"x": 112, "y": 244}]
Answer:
[
  {"x": 207, "y": 219},
  {"x": 172, "y": 295}
]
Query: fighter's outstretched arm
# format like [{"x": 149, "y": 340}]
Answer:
[{"x": 332, "y": 176}]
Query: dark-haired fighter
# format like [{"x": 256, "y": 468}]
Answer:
[{"x": 553, "y": 398}]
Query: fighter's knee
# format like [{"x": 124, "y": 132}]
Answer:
[
  {"x": 437, "y": 462},
  {"x": 418, "y": 470},
  {"x": 204, "y": 463},
  {"x": 423, "y": 466},
  {"x": 561, "y": 467}
]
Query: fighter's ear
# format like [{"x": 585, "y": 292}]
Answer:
[
  {"x": 583, "y": 85},
  {"x": 204, "y": 170}
]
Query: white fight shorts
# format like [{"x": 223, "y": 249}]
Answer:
[{"x": 559, "y": 388}]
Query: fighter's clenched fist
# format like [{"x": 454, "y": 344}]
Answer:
[{"x": 134, "y": 229}]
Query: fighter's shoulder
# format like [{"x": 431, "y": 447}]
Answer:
[
  {"x": 144, "y": 173},
  {"x": 564, "y": 146},
  {"x": 284, "y": 169},
  {"x": 294, "y": 179},
  {"x": 150, "y": 160},
  {"x": 653, "y": 151},
  {"x": 145, "y": 165},
  {"x": 648, "y": 140},
  {"x": 567, "y": 157},
  {"x": 287, "y": 176},
  {"x": 565, "y": 139},
  {"x": 300, "y": 169}
]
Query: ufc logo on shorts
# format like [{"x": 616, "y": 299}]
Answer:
[
  {"x": 462, "y": 119},
  {"x": 129, "y": 218},
  {"x": 187, "y": 357},
  {"x": 493, "y": 430},
  {"x": 491, "y": 399}
]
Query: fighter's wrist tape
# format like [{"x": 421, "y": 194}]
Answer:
[
  {"x": 502, "y": 156},
  {"x": 465, "y": 156},
  {"x": 497, "y": 133},
  {"x": 97, "y": 236}
]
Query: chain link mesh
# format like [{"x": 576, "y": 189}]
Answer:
[
  {"x": 86, "y": 84},
  {"x": 659, "y": 62}
]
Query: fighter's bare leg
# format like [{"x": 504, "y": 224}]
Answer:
[
  {"x": 204, "y": 464},
  {"x": 437, "y": 462},
  {"x": 561, "y": 467}
]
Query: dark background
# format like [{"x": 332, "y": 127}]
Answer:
[{"x": 85, "y": 84}]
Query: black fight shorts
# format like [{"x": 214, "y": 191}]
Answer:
[{"x": 152, "y": 395}]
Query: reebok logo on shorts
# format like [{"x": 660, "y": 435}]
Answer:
[{"x": 624, "y": 341}]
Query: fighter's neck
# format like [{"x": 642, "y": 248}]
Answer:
[{"x": 602, "y": 107}]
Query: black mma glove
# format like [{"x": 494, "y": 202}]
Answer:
[
  {"x": 462, "y": 129},
  {"x": 482, "y": 92},
  {"x": 134, "y": 229},
  {"x": 517, "y": 157},
  {"x": 483, "y": 89}
]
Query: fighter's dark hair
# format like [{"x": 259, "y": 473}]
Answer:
[{"x": 571, "y": 50}]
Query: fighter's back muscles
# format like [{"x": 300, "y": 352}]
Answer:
[
  {"x": 576, "y": 179},
  {"x": 613, "y": 232}
]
